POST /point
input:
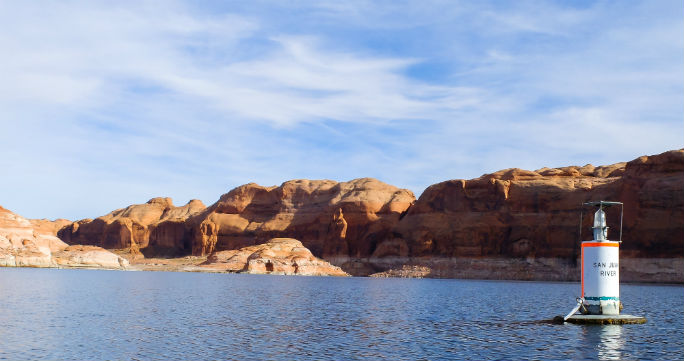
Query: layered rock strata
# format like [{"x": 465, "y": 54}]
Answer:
[
  {"x": 518, "y": 213},
  {"x": 525, "y": 224},
  {"x": 80, "y": 256},
  {"x": 512, "y": 223},
  {"x": 25, "y": 243},
  {"x": 156, "y": 227},
  {"x": 284, "y": 256},
  {"x": 329, "y": 218},
  {"x": 22, "y": 246}
]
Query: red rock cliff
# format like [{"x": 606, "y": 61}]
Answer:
[
  {"x": 330, "y": 218},
  {"x": 32, "y": 243},
  {"x": 518, "y": 213},
  {"x": 509, "y": 214},
  {"x": 156, "y": 225}
]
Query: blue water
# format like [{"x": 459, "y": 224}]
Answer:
[{"x": 50, "y": 314}]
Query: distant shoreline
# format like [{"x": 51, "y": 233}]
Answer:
[
  {"x": 143, "y": 267},
  {"x": 661, "y": 271}
]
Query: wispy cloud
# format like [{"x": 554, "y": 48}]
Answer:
[{"x": 105, "y": 105}]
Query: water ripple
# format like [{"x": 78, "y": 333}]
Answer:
[{"x": 103, "y": 315}]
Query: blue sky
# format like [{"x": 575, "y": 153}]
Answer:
[{"x": 104, "y": 104}]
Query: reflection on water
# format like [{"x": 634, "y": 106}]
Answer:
[
  {"x": 101, "y": 315},
  {"x": 611, "y": 343},
  {"x": 602, "y": 342}
]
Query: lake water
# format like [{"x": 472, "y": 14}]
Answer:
[{"x": 50, "y": 314}]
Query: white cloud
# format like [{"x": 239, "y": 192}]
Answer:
[{"x": 163, "y": 98}]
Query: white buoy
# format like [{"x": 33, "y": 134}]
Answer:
[
  {"x": 601, "y": 270},
  {"x": 600, "y": 301}
]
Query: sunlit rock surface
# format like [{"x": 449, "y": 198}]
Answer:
[
  {"x": 518, "y": 213},
  {"x": 25, "y": 243},
  {"x": 154, "y": 227},
  {"x": 285, "y": 256},
  {"x": 328, "y": 217},
  {"x": 88, "y": 257},
  {"x": 513, "y": 223}
]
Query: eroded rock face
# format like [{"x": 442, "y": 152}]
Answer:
[
  {"x": 23, "y": 246},
  {"x": 330, "y": 218},
  {"x": 81, "y": 256},
  {"x": 156, "y": 226},
  {"x": 278, "y": 256},
  {"x": 366, "y": 226},
  {"x": 25, "y": 243},
  {"x": 48, "y": 227},
  {"x": 518, "y": 213}
]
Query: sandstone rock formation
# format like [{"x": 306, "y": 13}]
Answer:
[
  {"x": 332, "y": 219},
  {"x": 26, "y": 253},
  {"x": 88, "y": 257},
  {"x": 512, "y": 223},
  {"x": 518, "y": 213},
  {"x": 22, "y": 246},
  {"x": 154, "y": 227},
  {"x": 509, "y": 213},
  {"x": 25, "y": 243},
  {"x": 278, "y": 256},
  {"x": 48, "y": 227}
]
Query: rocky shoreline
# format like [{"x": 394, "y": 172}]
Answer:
[
  {"x": 511, "y": 224},
  {"x": 632, "y": 270},
  {"x": 25, "y": 244},
  {"x": 650, "y": 270}
]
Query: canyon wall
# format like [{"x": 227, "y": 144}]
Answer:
[
  {"x": 157, "y": 227},
  {"x": 32, "y": 243},
  {"x": 526, "y": 220},
  {"x": 518, "y": 213},
  {"x": 328, "y": 217},
  {"x": 525, "y": 225}
]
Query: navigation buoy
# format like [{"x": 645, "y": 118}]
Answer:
[
  {"x": 600, "y": 262},
  {"x": 601, "y": 269}
]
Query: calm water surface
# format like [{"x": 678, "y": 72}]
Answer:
[{"x": 49, "y": 314}]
